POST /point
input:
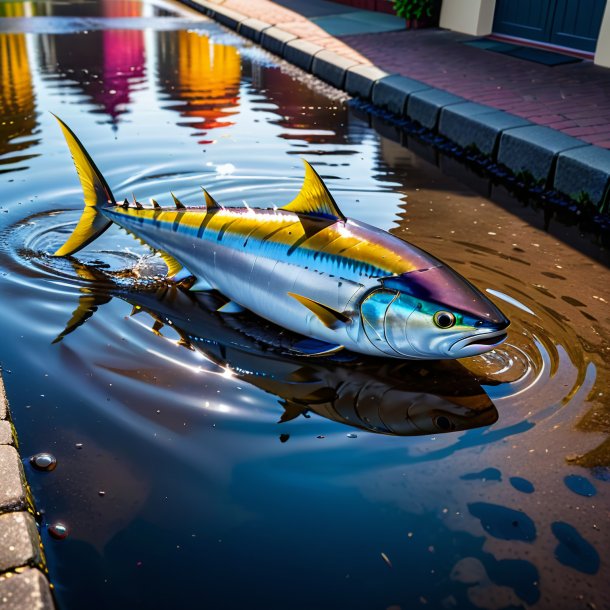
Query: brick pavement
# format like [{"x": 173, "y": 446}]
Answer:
[{"x": 572, "y": 98}]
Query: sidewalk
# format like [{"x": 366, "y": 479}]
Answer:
[
  {"x": 23, "y": 583},
  {"x": 551, "y": 124}
]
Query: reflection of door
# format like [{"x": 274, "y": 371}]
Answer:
[{"x": 569, "y": 23}]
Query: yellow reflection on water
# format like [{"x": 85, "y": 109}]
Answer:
[
  {"x": 17, "y": 105},
  {"x": 205, "y": 74}
]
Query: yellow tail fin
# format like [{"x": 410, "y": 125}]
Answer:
[{"x": 96, "y": 193}]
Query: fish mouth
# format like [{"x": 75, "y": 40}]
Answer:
[{"x": 484, "y": 340}]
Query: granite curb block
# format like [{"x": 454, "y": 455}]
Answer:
[
  {"x": 331, "y": 67},
  {"x": 253, "y": 28},
  {"x": 25, "y": 590},
  {"x": 533, "y": 149},
  {"x": 360, "y": 80},
  {"x": 392, "y": 92},
  {"x": 521, "y": 146},
  {"x": 18, "y": 541},
  {"x": 301, "y": 53},
  {"x": 425, "y": 106},
  {"x": 12, "y": 480},
  {"x": 6, "y": 433},
  {"x": 472, "y": 124},
  {"x": 227, "y": 16},
  {"x": 20, "y": 588},
  {"x": 585, "y": 169},
  {"x": 273, "y": 39}
]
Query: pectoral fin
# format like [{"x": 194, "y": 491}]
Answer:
[{"x": 327, "y": 315}]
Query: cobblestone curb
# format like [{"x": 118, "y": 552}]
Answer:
[
  {"x": 23, "y": 582},
  {"x": 548, "y": 155}
]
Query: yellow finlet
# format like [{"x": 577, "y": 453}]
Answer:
[
  {"x": 155, "y": 204},
  {"x": 314, "y": 198},
  {"x": 327, "y": 315},
  {"x": 179, "y": 204},
  {"x": 210, "y": 202}
]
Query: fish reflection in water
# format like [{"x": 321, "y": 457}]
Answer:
[{"x": 378, "y": 395}]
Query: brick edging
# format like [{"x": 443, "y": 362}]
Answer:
[
  {"x": 23, "y": 581},
  {"x": 556, "y": 161}
]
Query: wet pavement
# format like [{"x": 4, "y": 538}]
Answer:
[{"x": 196, "y": 459}]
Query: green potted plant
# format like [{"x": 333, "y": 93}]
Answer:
[{"x": 418, "y": 13}]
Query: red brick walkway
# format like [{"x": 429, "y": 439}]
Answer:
[{"x": 573, "y": 98}]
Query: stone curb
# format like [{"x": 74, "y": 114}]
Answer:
[
  {"x": 331, "y": 67},
  {"x": 548, "y": 155},
  {"x": 253, "y": 29},
  {"x": 23, "y": 586}
]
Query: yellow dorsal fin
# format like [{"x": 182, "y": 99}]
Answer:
[
  {"x": 210, "y": 202},
  {"x": 178, "y": 203},
  {"x": 95, "y": 189},
  {"x": 327, "y": 315},
  {"x": 173, "y": 266},
  {"x": 314, "y": 198}
]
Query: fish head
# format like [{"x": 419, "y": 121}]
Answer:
[{"x": 431, "y": 314}]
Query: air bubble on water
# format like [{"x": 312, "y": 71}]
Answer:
[
  {"x": 44, "y": 461},
  {"x": 58, "y": 530}
]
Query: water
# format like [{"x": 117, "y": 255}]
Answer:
[{"x": 196, "y": 458}]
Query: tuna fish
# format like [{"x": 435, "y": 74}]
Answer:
[
  {"x": 305, "y": 267},
  {"x": 380, "y": 395}
]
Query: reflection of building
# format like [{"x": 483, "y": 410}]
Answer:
[
  {"x": 107, "y": 65},
  {"x": 202, "y": 76},
  {"x": 301, "y": 108},
  {"x": 17, "y": 107}
]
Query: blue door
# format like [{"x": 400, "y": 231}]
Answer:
[{"x": 569, "y": 23}]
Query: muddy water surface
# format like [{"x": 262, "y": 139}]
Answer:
[{"x": 196, "y": 458}]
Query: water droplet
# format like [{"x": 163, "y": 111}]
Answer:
[
  {"x": 79, "y": 445},
  {"x": 101, "y": 493},
  {"x": 59, "y": 530},
  {"x": 44, "y": 461},
  {"x": 284, "y": 437},
  {"x": 352, "y": 435},
  {"x": 320, "y": 436}
]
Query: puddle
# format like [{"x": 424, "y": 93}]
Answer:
[{"x": 197, "y": 457}]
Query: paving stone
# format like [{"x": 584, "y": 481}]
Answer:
[
  {"x": 27, "y": 590},
  {"x": 331, "y": 67},
  {"x": 19, "y": 541},
  {"x": 253, "y": 28},
  {"x": 583, "y": 169},
  {"x": 228, "y": 17},
  {"x": 392, "y": 92},
  {"x": 360, "y": 79},
  {"x": 301, "y": 52},
  {"x": 6, "y": 433},
  {"x": 471, "y": 124},
  {"x": 425, "y": 106},
  {"x": 273, "y": 39},
  {"x": 12, "y": 480},
  {"x": 532, "y": 149}
]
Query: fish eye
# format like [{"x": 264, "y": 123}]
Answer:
[
  {"x": 444, "y": 423},
  {"x": 444, "y": 319}
]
